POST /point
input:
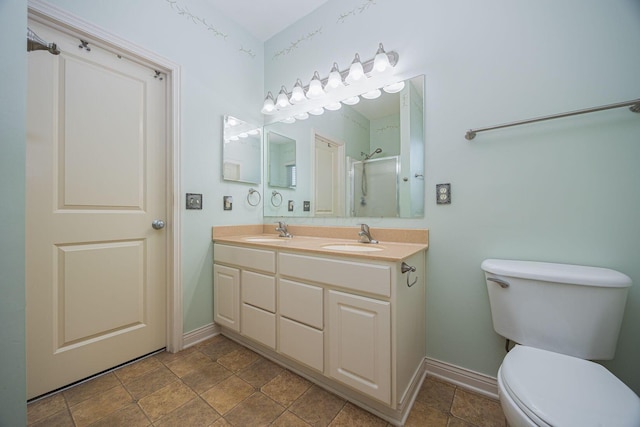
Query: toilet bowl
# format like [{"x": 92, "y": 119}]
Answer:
[
  {"x": 543, "y": 388},
  {"x": 561, "y": 317}
]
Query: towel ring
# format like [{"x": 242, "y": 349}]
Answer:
[
  {"x": 253, "y": 191},
  {"x": 406, "y": 268},
  {"x": 276, "y": 198}
]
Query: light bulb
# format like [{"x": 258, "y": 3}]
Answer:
[
  {"x": 282, "y": 101},
  {"x": 289, "y": 120},
  {"x": 356, "y": 72},
  {"x": 317, "y": 111},
  {"x": 269, "y": 106},
  {"x": 315, "y": 90},
  {"x": 232, "y": 121},
  {"x": 233, "y": 138},
  {"x": 352, "y": 100},
  {"x": 333, "y": 106},
  {"x": 334, "y": 80},
  {"x": 381, "y": 60},
  {"x": 297, "y": 93},
  {"x": 253, "y": 132},
  {"x": 394, "y": 87},
  {"x": 243, "y": 135},
  {"x": 301, "y": 116},
  {"x": 372, "y": 94}
]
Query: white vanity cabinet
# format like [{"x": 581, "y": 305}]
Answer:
[
  {"x": 244, "y": 297},
  {"x": 355, "y": 325}
]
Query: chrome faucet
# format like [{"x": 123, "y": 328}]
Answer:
[
  {"x": 365, "y": 234},
  {"x": 282, "y": 228}
]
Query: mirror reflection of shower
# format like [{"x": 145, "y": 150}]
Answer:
[
  {"x": 374, "y": 186},
  {"x": 363, "y": 182}
]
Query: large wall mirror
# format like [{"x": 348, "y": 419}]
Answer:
[
  {"x": 365, "y": 160},
  {"x": 241, "y": 151}
]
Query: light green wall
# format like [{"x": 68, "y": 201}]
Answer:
[
  {"x": 13, "y": 70},
  {"x": 217, "y": 78},
  {"x": 563, "y": 191}
]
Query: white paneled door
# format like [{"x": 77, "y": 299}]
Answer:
[{"x": 96, "y": 181}]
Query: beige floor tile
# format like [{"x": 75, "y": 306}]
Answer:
[
  {"x": 190, "y": 362},
  {"x": 239, "y": 359},
  {"x": 221, "y": 422},
  {"x": 353, "y": 416},
  {"x": 130, "y": 416},
  {"x": 45, "y": 408},
  {"x": 60, "y": 419},
  {"x": 286, "y": 388},
  {"x": 477, "y": 409},
  {"x": 166, "y": 357},
  {"x": 203, "y": 378},
  {"x": 196, "y": 412},
  {"x": 84, "y": 391},
  {"x": 100, "y": 405},
  {"x": 150, "y": 382},
  {"x": 317, "y": 406},
  {"x": 165, "y": 400},
  {"x": 218, "y": 346},
  {"x": 260, "y": 372},
  {"x": 437, "y": 394},
  {"x": 256, "y": 410},
  {"x": 422, "y": 415},
  {"x": 457, "y": 422},
  {"x": 227, "y": 394},
  {"x": 135, "y": 370},
  {"x": 289, "y": 419}
]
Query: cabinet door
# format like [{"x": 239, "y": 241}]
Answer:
[
  {"x": 360, "y": 343},
  {"x": 226, "y": 296}
]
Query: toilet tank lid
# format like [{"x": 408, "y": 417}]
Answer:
[{"x": 561, "y": 273}]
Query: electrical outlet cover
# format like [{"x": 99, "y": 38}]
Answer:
[
  {"x": 443, "y": 194},
  {"x": 194, "y": 201}
]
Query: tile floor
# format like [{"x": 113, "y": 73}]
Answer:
[{"x": 220, "y": 383}]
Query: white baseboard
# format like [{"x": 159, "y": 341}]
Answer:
[
  {"x": 465, "y": 378},
  {"x": 198, "y": 335}
]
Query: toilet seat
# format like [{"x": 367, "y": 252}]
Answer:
[{"x": 559, "y": 390}]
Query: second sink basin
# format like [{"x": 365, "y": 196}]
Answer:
[{"x": 352, "y": 248}]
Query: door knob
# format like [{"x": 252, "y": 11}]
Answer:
[{"x": 157, "y": 224}]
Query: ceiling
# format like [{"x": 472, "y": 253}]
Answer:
[{"x": 264, "y": 18}]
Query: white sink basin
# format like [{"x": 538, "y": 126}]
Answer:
[
  {"x": 352, "y": 248},
  {"x": 263, "y": 239}
]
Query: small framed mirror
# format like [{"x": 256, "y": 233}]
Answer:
[
  {"x": 282, "y": 161},
  {"x": 241, "y": 151}
]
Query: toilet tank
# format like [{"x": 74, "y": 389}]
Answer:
[{"x": 568, "y": 309}]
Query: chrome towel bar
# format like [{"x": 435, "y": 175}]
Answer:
[{"x": 633, "y": 105}]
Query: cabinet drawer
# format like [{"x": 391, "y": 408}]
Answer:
[
  {"x": 302, "y": 343},
  {"x": 372, "y": 278},
  {"x": 255, "y": 259},
  {"x": 301, "y": 302},
  {"x": 259, "y": 290},
  {"x": 259, "y": 325}
]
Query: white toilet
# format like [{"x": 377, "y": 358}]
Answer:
[{"x": 560, "y": 315}]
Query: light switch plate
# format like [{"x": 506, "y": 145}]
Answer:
[
  {"x": 443, "y": 194},
  {"x": 227, "y": 203},
  {"x": 194, "y": 201}
]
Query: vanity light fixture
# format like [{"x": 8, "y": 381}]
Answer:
[
  {"x": 351, "y": 100},
  {"x": 282, "y": 101},
  {"x": 381, "y": 60},
  {"x": 334, "y": 81},
  {"x": 356, "y": 71},
  {"x": 372, "y": 94},
  {"x": 297, "y": 93},
  {"x": 364, "y": 79},
  {"x": 315, "y": 87},
  {"x": 394, "y": 87},
  {"x": 269, "y": 106}
]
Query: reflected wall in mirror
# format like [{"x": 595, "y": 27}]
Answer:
[
  {"x": 241, "y": 151},
  {"x": 364, "y": 160},
  {"x": 281, "y": 161}
]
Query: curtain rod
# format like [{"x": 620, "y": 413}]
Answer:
[{"x": 633, "y": 105}]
